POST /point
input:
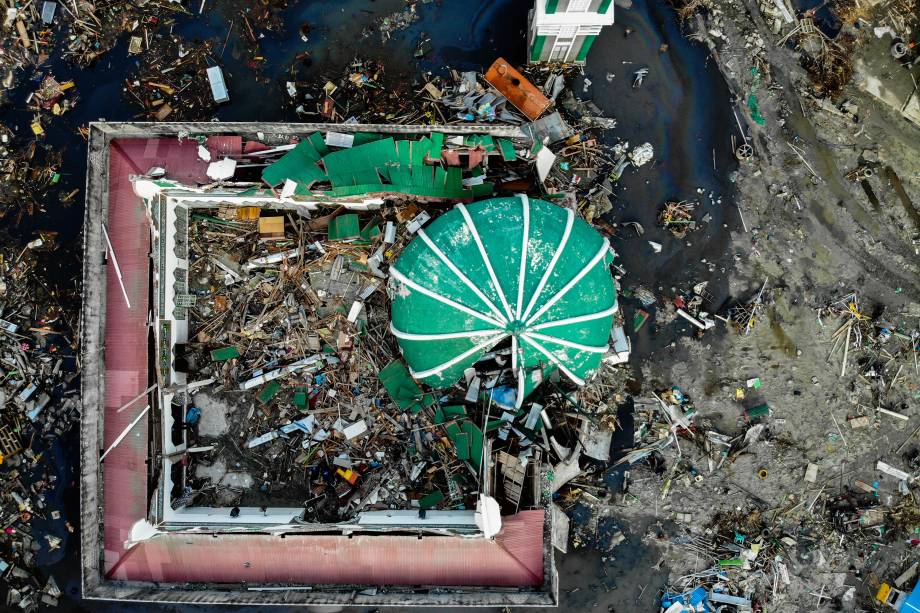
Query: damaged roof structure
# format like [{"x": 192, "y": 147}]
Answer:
[
  {"x": 263, "y": 441},
  {"x": 510, "y": 248}
]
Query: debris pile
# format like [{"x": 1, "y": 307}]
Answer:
[
  {"x": 28, "y": 35},
  {"x": 883, "y": 351},
  {"x": 297, "y": 395},
  {"x": 95, "y": 27},
  {"x": 39, "y": 366},
  {"x": 175, "y": 80},
  {"x": 567, "y": 146},
  {"x": 394, "y": 22},
  {"x": 677, "y": 217},
  {"x": 28, "y": 173}
]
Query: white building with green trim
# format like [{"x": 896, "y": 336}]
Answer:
[{"x": 564, "y": 30}]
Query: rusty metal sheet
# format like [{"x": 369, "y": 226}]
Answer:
[{"x": 517, "y": 89}]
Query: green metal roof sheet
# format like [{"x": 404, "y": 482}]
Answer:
[
  {"x": 345, "y": 227},
  {"x": 377, "y": 163},
  {"x": 499, "y": 268},
  {"x": 299, "y": 164},
  {"x": 404, "y": 391}
]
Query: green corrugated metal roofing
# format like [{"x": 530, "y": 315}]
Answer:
[
  {"x": 378, "y": 163},
  {"x": 500, "y": 268},
  {"x": 299, "y": 164}
]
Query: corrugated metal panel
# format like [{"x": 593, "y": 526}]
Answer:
[
  {"x": 124, "y": 471},
  {"x": 126, "y": 351},
  {"x": 514, "y": 558},
  {"x": 517, "y": 538}
]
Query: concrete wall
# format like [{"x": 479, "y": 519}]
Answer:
[
  {"x": 547, "y": 49},
  {"x": 92, "y": 324}
]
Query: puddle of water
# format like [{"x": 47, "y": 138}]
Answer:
[
  {"x": 784, "y": 342},
  {"x": 822, "y": 13}
]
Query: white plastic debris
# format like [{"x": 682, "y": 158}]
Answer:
[
  {"x": 545, "y": 159},
  {"x": 288, "y": 188},
  {"x": 355, "y": 311},
  {"x": 639, "y": 77},
  {"x": 389, "y": 235},
  {"x": 218, "y": 85},
  {"x": 340, "y": 139},
  {"x": 656, "y": 247},
  {"x": 355, "y": 430},
  {"x": 261, "y": 440},
  {"x": 641, "y": 155},
  {"x": 222, "y": 170},
  {"x": 888, "y": 469},
  {"x": 488, "y": 516},
  {"x": 418, "y": 221}
]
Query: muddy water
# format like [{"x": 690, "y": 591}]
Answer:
[{"x": 682, "y": 109}]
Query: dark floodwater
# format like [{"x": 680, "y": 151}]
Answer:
[{"x": 683, "y": 109}]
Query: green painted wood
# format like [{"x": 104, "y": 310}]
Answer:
[
  {"x": 432, "y": 499},
  {"x": 537, "y": 48},
  {"x": 585, "y": 47},
  {"x": 224, "y": 353},
  {"x": 507, "y": 149},
  {"x": 268, "y": 392}
]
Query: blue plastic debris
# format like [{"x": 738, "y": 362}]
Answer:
[
  {"x": 678, "y": 395},
  {"x": 504, "y": 396},
  {"x": 912, "y": 604},
  {"x": 193, "y": 415},
  {"x": 694, "y": 601}
]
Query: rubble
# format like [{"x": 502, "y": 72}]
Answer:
[
  {"x": 40, "y": 367},
  {"x": 299, "y": 392},
  {"x": 176, "y": 80},
  {"x": 289, "y": 305}
]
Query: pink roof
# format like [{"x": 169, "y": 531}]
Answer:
[
  {"x": 126, "y": 350},
  {"x": 514, "y": 558},
  {"x": 224, "y": 145}
]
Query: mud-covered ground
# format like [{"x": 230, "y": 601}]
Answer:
[{"x": 811, "y": 236}]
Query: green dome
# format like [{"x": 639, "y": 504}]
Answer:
[{"x": 500, "y": 268}]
